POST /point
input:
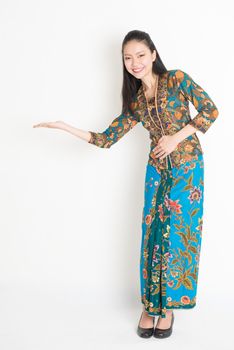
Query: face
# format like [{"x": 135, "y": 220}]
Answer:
[{"x": 138, "y": 58}]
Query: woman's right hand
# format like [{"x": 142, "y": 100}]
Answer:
[
  {"x": 54, "y": 125},
  {"x": 83, "y": 134}
]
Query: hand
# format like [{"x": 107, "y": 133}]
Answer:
[
  {"x": 166, "y": 144},
  {"x": 54, "y": 125}
]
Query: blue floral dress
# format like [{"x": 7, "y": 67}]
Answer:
[{"x": 174, "y": 190}]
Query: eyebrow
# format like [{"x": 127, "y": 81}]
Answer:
[{"x": 126, "y": 54}]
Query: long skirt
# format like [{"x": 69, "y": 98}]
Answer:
[{"x": 171, "y": 237}]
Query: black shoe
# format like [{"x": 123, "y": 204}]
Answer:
[
  {"x": 164, "y": 333},
  {"x": 145, "y": 332}
]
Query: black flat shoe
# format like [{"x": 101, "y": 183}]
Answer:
[
  {"x": 164, "y": 333},
  {"x": 145, "y": 332}
]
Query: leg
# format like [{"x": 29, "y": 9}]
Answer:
[
  {"x": 146, "y": 320},
  {"x": 164, "y": 323}
]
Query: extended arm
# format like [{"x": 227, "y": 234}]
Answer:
[{"x": 115, "y": 131}]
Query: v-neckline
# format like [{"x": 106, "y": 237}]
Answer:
[
  {"x": 152, "y": 98},
  {"x": 141, "y": 96}
]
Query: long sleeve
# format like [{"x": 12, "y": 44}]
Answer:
[
  {"x": 117, "y": 129},
  {"x": 207, "y": 110}
]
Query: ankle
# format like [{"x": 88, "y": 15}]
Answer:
[
  {"x": 145, "y": 313},
  {"x": 168, "y": 313}
]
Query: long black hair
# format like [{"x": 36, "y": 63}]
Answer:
[{"x": 130, "y": 83}]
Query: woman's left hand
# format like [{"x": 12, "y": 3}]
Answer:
[{"x": 166, "y": 144}]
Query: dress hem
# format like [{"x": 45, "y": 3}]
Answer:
[{"x": 171, "y": 308}]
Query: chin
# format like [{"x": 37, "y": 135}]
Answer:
[{"x": 139, "y": 76}]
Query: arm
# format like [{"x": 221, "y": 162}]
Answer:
[
  {"x": 82, "y": 134},
  {"x": 168, "y": 143},
  {"x": 186, "y": 131},
  {"x": 115, "y": 131},
  {"x": 207, "y": 110},
  {"x": 207, "y": 114},
  {"x": 118, "y": 128}
]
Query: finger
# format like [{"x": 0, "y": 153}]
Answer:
[
  {"x": 156, "y": 152},
  {"x": 158, "y": 148},
  {"x": 164, "y": 156},
  {"x": 160, "y": 153},
  {"x": 40, "y": 124}
]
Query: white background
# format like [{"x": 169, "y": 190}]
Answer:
[{"x": 70, "y": 223}]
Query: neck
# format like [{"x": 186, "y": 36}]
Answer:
[{"x": 149, "y": 81}]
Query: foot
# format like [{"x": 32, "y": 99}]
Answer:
[
  {"x": 164, "y": 323},
  {"x": 146, "y": 320}
]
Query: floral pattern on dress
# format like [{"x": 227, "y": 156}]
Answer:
[
  {"x": 171, "y": 237},
  {"x": 175, "y": 89}
]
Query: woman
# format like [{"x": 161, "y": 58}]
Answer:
[{"x": 174, "y": 180}]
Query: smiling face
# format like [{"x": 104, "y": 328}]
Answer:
[{"x": 138, "y": 58}]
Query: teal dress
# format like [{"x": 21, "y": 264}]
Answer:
[{"x": 172, "y": 215}]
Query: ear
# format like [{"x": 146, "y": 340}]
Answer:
[{"x": 154, "y": 55}]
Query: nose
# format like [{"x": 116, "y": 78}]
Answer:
[{"x": 135, "y": 64}]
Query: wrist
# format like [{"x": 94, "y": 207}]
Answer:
[{"x": 177, "y": 137}]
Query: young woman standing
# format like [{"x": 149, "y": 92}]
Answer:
[{"x": 174, "y": 180}]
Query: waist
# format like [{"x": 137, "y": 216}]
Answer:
[{"x": 175, "y": 159}]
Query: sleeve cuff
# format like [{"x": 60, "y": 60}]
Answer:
[
  {"x": 92, "y": 139},
  {"x": 201, "y": 124}
]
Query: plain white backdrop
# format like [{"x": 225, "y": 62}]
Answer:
[{"x": 70, "y": 228}]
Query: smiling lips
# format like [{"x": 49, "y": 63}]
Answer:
[{"x": 137, "y": 70}]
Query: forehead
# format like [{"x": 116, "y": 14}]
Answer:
[{"x": 134, "y": 47}]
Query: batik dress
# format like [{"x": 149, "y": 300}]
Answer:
[{"x": 172, "y": 214}]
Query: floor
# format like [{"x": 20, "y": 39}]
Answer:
[{"x": 37, "y": 318}]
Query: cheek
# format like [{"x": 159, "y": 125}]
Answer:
[
  {"x": 128, "y": 66},
  {"x": 147, "y": 63}
]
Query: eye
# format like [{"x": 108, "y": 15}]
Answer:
[{"x": 142, "y": 55}]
